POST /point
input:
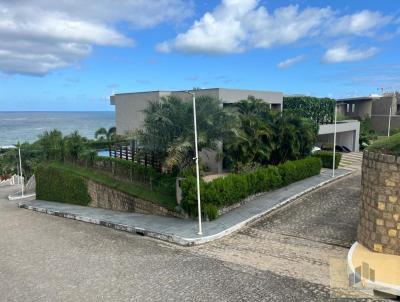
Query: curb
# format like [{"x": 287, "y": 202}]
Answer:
[
  {"x": 183, "y": 241},
  {"x": 372, "y": 285}
]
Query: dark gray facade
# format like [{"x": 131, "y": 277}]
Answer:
[{"x": 378, "y": 108}]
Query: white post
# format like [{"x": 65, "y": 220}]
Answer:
[
  {"x": 334, "y": 144},
  {"x": 390, "y": 117},
  {"x": 18, "y": 174},
  {"x": 197, "y": 163},
  {"x": 20, "y": 169}
]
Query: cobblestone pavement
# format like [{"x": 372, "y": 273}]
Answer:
[
  {"x": 46, "y": 258},
  {"x": 301, "y": 239}
]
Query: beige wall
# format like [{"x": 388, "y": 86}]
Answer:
[{"x": 129, "y": 110}]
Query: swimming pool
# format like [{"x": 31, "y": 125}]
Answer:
[{"x": 103, "y": 153}]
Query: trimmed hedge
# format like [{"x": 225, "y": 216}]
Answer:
[
  {"x": 233, "y": 188},
  {"x": 390, "y": 145},
  {"x": 135, "y": 189},
  {"x": 55, "y": 185},
  {"x": 327, "y": 158}
]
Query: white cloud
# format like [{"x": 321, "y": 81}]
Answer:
[
  {"x": 290, "y": 62},
  {"x": 238, "y": 25},
  {"x": 361, "y": 23},
  {"x": 38, "y": 36},
  {"x": 345, "y": 54}
]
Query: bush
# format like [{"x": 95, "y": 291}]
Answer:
[
  {"x": 55, "y": 185},
  {"x": 292, "y": 171},
  {"x": 233, "y": 188},
  {"x": 211, "y": 211},
  {"x": 390, "y": 145},
  {"x": 327, "y": 158}
]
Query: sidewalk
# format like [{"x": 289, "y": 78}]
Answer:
[{"x": 184, "y": 231}]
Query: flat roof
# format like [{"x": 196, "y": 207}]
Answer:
[
  {"x": 359, "y": 98},
  {"x": 201, "y": 89}
]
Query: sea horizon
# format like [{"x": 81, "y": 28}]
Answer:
[{"x": 26, "y": 126}]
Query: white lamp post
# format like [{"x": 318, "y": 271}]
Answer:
[
  {"x": 334, "y": 144},
  {"x": 197, "y": 161},
  {"x": 20, "y": 170},
  {"x": 390, "y": 117}
]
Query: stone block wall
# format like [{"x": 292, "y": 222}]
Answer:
[
  {"x": 108, "y": 198},
  {"x": 379, "y": 228}
]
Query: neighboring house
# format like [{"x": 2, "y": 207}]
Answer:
[
  {"x": 375, "y": 107},
  {"x": 129, "y": 115},
  {"x": 347, "y": 134}
]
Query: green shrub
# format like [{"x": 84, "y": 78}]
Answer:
[
  {"x": 390, "y": 145},
  {"x": 56, "y": 185},
  {"x": 211, "y": 211},
  {"x": 327, "y": 158},
  {"x": 233, "y": 188},
  {"x": 292, "y": 171}
]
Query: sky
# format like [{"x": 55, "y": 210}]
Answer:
[{"x": 68, "y": 55}]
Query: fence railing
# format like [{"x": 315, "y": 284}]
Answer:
[{"x": 138, "y": 156}]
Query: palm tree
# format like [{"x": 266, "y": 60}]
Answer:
[
  {"x": 75, "y": 145},
  {"x": 252, "y": 139},
  {"x": 104, "y": 134},
  {"x": 294, "y": 137},
  {"x": 52, "y": 144},
  {"x": 168, "y": 128}
]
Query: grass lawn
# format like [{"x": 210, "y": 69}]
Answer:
[{"x": 134, "y": 189}]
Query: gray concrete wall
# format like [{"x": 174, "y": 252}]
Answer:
[
  {"x": 129, "y": 110},
  {"x": 347, "y": 134},
  {"x": 362, "y": 108},
  {"x": 236, "y": 95},
  {"x": 380, "y": 114},
  {"x": 382, "y": 106}
]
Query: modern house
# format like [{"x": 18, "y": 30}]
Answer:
[
  {"x": 129, "y": 106},
  {"x": 129, "y": 110},
  {"x": 129, "y": 115},
  {"x": 379, "y": 108}
]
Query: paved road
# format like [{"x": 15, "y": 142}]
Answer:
[{"x": 46, "y": 258}]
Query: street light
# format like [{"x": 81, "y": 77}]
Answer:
[
  {"x": 334, "y": 144},
  {"x": 197, "y": 160}
]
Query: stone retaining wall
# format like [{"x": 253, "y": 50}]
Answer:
[
  {"x": 379, "y": 228},
  {"x": 108, "y": 198}
]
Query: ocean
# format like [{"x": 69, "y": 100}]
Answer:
[{"x": 26, "y": 126}]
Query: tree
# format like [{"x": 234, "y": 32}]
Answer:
[
  {"x": 168, "y": 128},
  {"x": 75, "y": 145},
  {"x": 294, "y": 137},
  {"x": 264, "y": 136},
  {"x": 252, "y": 137},
  {"x": 102, "y": 134},
  {"x": 52, "y": 145}
]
